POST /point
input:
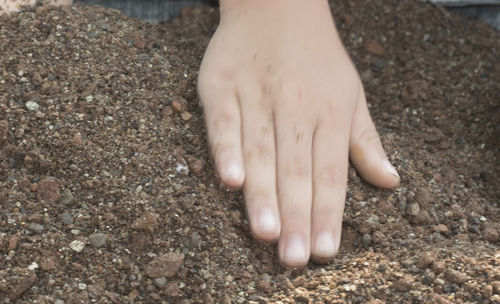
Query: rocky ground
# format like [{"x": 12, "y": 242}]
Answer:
[{"x": 108, "y": 194}]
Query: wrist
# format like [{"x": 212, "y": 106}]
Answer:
[
  {"x": 281, "y": 17},
  {"x": 274, "y": 6}
]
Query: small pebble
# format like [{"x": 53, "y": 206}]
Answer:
[
  {"x": 77, "y": 245},
  {"x": 177, "y": 106},
  {"x": 165, "y": 265},
  {"x": 147, "y": 222},
  {"x": 426, "y": 260},
  {"x": 487, "y": 291},
  {"x": 67, "y": 197},
  {"x": 160, "y": 282},
  {"x": 299, "y": 281},
  {"x": 32, "y": 106},
  {"x": 367, "y": 239},
  {"x": 196, "y": 241},
  {"x": 423, "y": 197},
  {"x": 36, "y": 228},
  {"x": 413, "y": 209},
  {"x": 82, "y": 286},
  {"x": 195, "y": 165},
  {"x": 33, "y": 266},
  {"x": 404, "y": 284},
  {"x": 491, "y": 235},
  {"x": 66, "y": 218},
  {"x": 496, "y": 286},
  {"x": 455, "y": 276},
  {"x": 48, "y": 190},
  {"x": 440, "y": 228},
  {"x": 186, "y": 116},
  {"x": 97, "y": 240}
]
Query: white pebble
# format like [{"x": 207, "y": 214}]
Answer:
[
  {"x": 82, "y": 286},
  {"x": 32, "y": 106},
  {"x": 182, "y": 168},
  {"x": 33, "y": 266},
  {"x": 77, "y": 245}
]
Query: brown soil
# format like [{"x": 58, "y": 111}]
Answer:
[{"x": 108, "y": 193}]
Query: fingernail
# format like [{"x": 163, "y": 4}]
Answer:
[
  {"x": 391, "y": 168},
  {"x": 295, "y": 252},
  {"x": 234, "y": 172},
  {"x": 325, "y": 244},
  {"x": 267, "y": 221}
]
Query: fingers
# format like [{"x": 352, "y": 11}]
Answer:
[
  {"x": 330, "y": 163},
  {"x": 294, "y": 138},
  {"x": 366, "y": 151},
  {"x": 260, "y": 167},
  {"x": 223, "y": 119}
]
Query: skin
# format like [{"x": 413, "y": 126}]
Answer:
[{"x": 285, "y": 110}]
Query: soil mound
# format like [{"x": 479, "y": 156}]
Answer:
[{"x": 108, "y": 193}]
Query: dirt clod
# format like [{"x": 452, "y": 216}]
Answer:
[
  {"x": 441, "y": 228},
  {"x": 491, "y": 235},
  {"x": 48, "y": 191},
  {"x": 403, "y": 284},
  {"x": 146, "y": 222},
  {"x": 166, "y": 265},
  {"x": 455, "y": 276},
  {"x": 426, "y": 260}
]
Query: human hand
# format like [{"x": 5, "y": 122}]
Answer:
[{"x": 285, "y": 109}]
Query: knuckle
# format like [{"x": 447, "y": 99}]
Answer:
[
  {"x": 368, "y": 135},
  {"x": 262, "y": 152},
  {"x": 328, "y": 212},
  {"x": 223, "y": 120},
  {"x": 332, "y": 177},
  {"x": 256, "y": 194},
  {"x": 206, "y": 86},
  {"x": 291, "y": 94},
  {"x": 220, "y": 150},
  {"x": 296, "y": 169}
]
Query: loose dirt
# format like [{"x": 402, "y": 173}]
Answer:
[{"x": 108, "y": 193}]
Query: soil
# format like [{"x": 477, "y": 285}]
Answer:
[{"x": 108, "y": 193}]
